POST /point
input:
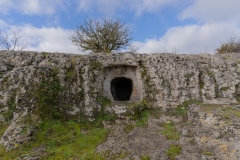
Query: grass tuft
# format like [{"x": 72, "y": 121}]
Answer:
[
  {"x": 173, "y": 151},
  {"x": 170, "y": 131}
]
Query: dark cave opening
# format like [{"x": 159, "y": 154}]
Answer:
[{"x": 121, "y": 88}]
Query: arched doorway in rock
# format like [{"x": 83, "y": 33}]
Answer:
[{"x": 121, "y": 88}]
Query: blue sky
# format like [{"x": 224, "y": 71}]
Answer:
[{"x": 178, "y": 26}]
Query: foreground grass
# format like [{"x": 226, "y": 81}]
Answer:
[{"x": 62, "y": 140}]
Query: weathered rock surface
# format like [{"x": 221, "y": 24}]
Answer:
[
  {"x": 212, "y": 136},
  {"x": 76, "y": 84}
]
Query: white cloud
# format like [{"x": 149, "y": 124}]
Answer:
[
  {"x": 50, "y": 39},
  {"x": 5, "y": 5},
  {"x": 213, "y": 10},
  {"x": 3, "y": 24},
  {"x": 103, "y": 6},
  {"x": 45, "y": 39},
  {"x": 189, "y": 39},
  {"x": 31, "y": 6},
  {"x": 149, "y": 5},
  {"x": 111, "y": 7}
]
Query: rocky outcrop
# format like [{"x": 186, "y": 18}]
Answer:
[
  {"x": 37, "y": 85},
  {"x": 209, "y": 132},
  {"x": 167, "y": 79}
]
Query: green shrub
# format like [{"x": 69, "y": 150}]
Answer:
[
  {"x": 231, "y": 46},
  {"x": 135, "y": 109},
  {"x": 139, "y": 112},
  {"x": 142, "y": 119},
  {"x": 173, "y": 151},
  {"x": 48, "y": 97}
]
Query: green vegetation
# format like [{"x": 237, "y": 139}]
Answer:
[
  {"x": 182, "y": 109},
  {"x": 145, "y": 157},
  {"x": 101, "y": 115},
  {"x": 71, "y": 73},
  {"x": 8, "y": 115},
  {"x": 224, "y": 88},
  {"x": 170, "y": 130},
  {"x": 96, "y": 65},
  {"x": 225, "y": 111},
  {"x": 173, "y": 150},
  {"x": 104, "y": 101},
  {"x": 156, "y": 113},
  {"x": 45, "y": 54},
  {"x": 114, "y": 156},
  {"x": 3, "y": 127},
  {"x": 140, "y": 112},
  {"x": 201, "y": 83},
  {"x": 4, "y": 84},
  {"x": 150, "y": 89},
  {"x": 237, "y": 92},
  {"x": 49, "y": 97},
  {"x": 101, "y": 36},
  {"x": 128, "y": 128},
  {"x": 230, "y": 46},
  {"x": 62, "y": 140},
  {"x": 5, "y": 80},
  {"x": 188, "y": 77},
  {"x": 140, "y": 121},
  {"x": 228, "y": 112},
  {"x": 207, "y": 153}
]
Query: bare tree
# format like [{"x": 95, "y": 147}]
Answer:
[
  {"x": 231, "y": 46},
  {"x": 104, "y": 36},
  {"x": 13, "y": 40}
]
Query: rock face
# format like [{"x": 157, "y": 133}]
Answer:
[
  {"x": 80, "y": 85},
  {"x": 165, "y": 79}
]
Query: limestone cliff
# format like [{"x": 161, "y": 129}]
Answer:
[{"x": 70, "y": 86}]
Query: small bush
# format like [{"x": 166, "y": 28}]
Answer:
[
  {"x": 231, "y": 46},
  {"x": 48, "y": 98},
  {"x": 101, "y": 36},
  {"x": 173, "y": 151},
  {"x": 139, "y": 112}
]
